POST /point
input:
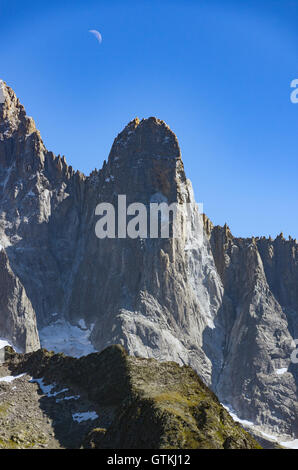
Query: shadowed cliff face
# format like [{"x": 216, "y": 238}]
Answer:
[
  {"x": 17, "y": 317},
  {"x": 227, "y": 307},
  {"x": 261, "y": 314}
]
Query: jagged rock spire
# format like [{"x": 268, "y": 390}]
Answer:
[
  {"x": 148, "y": 138},
  {"x": 13, "y": 118}
]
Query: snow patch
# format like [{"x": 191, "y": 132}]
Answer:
[
  {"x": 290, "y": 444},
  {"x": 293, "y": 444},
  {"x": 10, "y": 378},
  {"x": 281, "y": 371},
  {"x": 79, "y": 417},
  {"x": 71, "y": 340},
  {"x": 235, "y": 417},
  {"x": 47, "y": 389},
  {"x": 4, "y": 342},
  {"x": 74, "y": 397}
]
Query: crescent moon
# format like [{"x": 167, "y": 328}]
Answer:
[{"x": 96, "y": 34}]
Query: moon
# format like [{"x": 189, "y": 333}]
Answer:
[{"x": 96, "y": 34}]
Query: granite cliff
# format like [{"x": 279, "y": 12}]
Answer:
[{"x": 225, "y": 306}]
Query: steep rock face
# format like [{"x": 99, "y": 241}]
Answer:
[
  {"x": 225, "y": 306},
  {"x": 151, "y": 295},
  {"x": 280, "y": 261},
  {"x": 17, "y": 317},
  {"x": 37, "y": 192},
  {"x": 257, "y": 377}
]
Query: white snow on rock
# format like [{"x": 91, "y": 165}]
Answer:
[
  {"x": 232, "y": 413},
  {"x": 10, "y": 378},
  {"x": 281, "y": 371},
  {"x": 74, "y": 397},
  {"x": 4, "y": 342},
  {"x": 79, "y": 417},
  {"x": 292, "y": 444},
  {"x": 47, "y": 389},
  {"x": 71, "y": 340}
]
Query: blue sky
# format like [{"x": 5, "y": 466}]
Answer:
[{"x": 218, "y": 72}]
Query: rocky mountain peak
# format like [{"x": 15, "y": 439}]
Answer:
[
  {"x": 226, "y": 306},
  {"x": 13, "y": 118},
  {"x": 148, "y": 138},
  {"x": 145, "y": 159}
]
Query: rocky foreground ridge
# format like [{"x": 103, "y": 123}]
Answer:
[
  {"x": 226, "y": 306},
  {"x": 133, "y": 403}
]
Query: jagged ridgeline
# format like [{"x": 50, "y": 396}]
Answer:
[{"x": 225, "y": 306}]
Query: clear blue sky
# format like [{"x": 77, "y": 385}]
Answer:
[{"x": 218, "y": 72}]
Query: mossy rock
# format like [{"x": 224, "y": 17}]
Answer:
[{"x": 156, "y": 405}]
